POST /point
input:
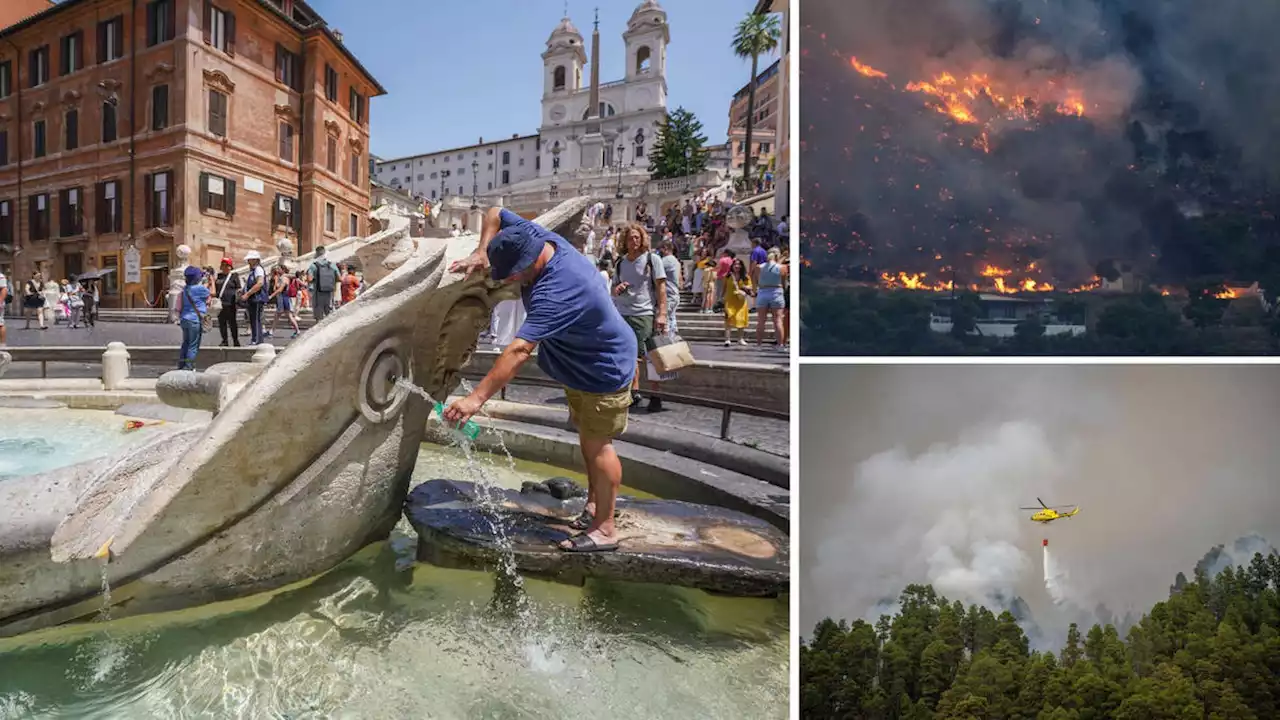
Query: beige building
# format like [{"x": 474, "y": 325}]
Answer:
[{"x": 129, "y": 127}]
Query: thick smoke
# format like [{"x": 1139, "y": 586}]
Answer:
[
  {"x": 915, "y": 474},
  {"x": 1182, "y": 99}
]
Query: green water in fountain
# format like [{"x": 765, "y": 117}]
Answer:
[{"x": 382, "y": 636}]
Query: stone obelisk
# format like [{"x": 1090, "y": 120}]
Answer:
[{"x": 592, "y": 140}]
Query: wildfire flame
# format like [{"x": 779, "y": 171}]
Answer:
[
  {"x": 959, "y": 97},
  {"x": 866, "y": 69}
]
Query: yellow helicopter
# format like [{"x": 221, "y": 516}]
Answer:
[{"x": 1047, "y": 514}]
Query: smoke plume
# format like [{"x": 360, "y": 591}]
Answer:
[
  {"x": 1100, "y": 130},
  {"x": 915, "y": 474}
]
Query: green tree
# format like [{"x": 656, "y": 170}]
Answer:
[
  {"x": 679, "y": 148},
  {"x": 965, "y": 312},
  {"x": 756, "y": 35}
]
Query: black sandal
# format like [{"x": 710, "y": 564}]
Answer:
[
  {"x": 585, "y": 544},
  {"x": 582, "y": 522}
]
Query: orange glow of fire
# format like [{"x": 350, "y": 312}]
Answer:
[
  {"x": 1227, "y": 294},
  {"x": 866, "y": 69},
  {"x": 957, "y": 96}
]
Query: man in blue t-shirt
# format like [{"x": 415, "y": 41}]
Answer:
[{"x": 584, "y": 344}]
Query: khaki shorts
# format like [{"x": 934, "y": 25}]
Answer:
[{"x": 602, "y": 415}]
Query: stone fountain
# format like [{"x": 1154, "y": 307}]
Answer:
[{"x": 304, "y": 463}]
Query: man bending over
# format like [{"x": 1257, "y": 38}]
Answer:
[{"x": 586, "y": 346}]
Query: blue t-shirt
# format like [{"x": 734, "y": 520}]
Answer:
[
  {"x": 198, "y": 294},
  {"x": 583, "y": 343}
]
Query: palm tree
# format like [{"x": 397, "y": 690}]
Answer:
[{"x": 757, "y": 35}]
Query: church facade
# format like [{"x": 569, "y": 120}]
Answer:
[{"x": 589, "y": 125}]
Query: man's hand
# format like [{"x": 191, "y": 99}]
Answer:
[
  {"x": 660, "y": 324},
  {"x": 475, "y": 262},
  {"x": 461, "y": 411},
  {"x": 621, "y": 288}
]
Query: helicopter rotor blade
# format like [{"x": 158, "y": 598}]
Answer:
[{"x": 1046, "y": 507}]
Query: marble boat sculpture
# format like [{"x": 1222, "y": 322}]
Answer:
[{"x": 304, "y": 463}]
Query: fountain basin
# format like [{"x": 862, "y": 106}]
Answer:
[{"x": 660, "y": 541}]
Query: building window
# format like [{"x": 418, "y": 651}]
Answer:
[
  {"x": 521, "y": 163},
  {"x": 217, "y": 113},
  {"x": 283, "y": 212},
  {"x": 111, "y": 283},
  {"x": 71, "y": 130},
  {"x": 217, "y": 194},
  {"x": 159, "y": 199},
  {"x": 38, "y": 139},
  {"x": 330, "y": 221},
  {"x": 506, "y": 157},
  {"x": 159, "y": 107},
  {"x": 331, "y": 155},
  {"x": 108, "y": 122},
  {"x": 460, "y": 190},
  {"x": 557, "y": 82},
  {"x": 355, "y": 105},
  {"x": 639, "y": 152},
  {"x": 462, "y": 170},
  {"x": 6, "y": 222},
  {"x": 220, "y": 29},
  {"x": 490, "y": 186},
  {"x": 355, "y": 168},
  {"x": 433, "y": 194},
  {"x": 537, "y": 162},
  {"x": 4, "y": 148},
  {"x": 433, "y": 175},
  {"x": 459, "y": 157},
  {"x": 38, "y": 210},
  {"x": 506, "y": 177},
  {"x": 159, "y": 22},
  {"x": 70, "y": 215},
  {"x": 109, "y": 205},
  {"x": 111, "y": 39},
  {"x": 286, "y": 142},
  {"x": 288, "y": 68},
  {"x": 38, "y": 66},
  {"x": 330, "y": 83},
  {"x": 6, "y": 78},
  {"x": 72, "y": 53},
  {"x": 353, "y": 225},
  {"x": 420, "y": 177},
  {"x": 764, "y": 148}
]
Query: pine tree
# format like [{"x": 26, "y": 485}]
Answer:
[{"x": 679, "y": 149}]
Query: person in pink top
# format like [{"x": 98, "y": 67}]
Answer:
[{"x": 722, "y": 271}]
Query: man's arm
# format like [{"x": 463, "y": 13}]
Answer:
[
  {"x": 504, "y": 369},
  {"x": 490, "y": 224}
]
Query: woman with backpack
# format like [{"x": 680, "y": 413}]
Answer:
[{"x": 193, "y": 305}]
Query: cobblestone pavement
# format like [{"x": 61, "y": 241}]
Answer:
[{"x": 764, "y": 433}]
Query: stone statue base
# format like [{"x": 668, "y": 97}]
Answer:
[{"x": 661, "y": 541}]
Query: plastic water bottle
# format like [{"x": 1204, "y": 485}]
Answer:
[{"x": 468, "y": 429}]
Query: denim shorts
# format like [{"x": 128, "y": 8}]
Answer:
[{"x": 770, "y": 298}]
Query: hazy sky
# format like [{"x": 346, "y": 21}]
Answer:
[
  {"x": 456, "y": 71},
  {"x": 916, "y": 474}
]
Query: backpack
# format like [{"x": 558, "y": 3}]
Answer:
[
  {"x": 265, "y": 290},
  {"x": 326, "y": 277},
  {"x": 293, "y": 288}
]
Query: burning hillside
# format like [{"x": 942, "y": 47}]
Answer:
[{"x": 1017, "y": 146}]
